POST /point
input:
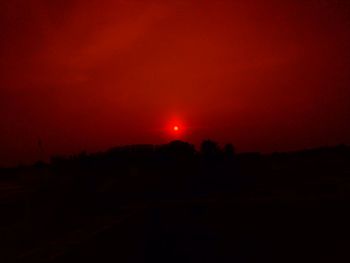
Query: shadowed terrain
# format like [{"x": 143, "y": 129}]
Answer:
[{"x": 172, "y": 203}]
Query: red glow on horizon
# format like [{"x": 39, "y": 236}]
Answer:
[{"x": 89, "y": 75}]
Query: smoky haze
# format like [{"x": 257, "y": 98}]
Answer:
[{"x": 266, "y": 75}]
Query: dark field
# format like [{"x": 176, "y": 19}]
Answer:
[{"x": 171, "y": 203}]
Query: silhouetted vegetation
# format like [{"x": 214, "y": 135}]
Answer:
[{"x": 169, "y": 199}]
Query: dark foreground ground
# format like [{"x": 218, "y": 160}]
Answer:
[{"x": 177, "y": 205}]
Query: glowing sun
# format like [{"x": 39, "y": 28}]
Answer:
[{"x": 176, "y": 128}]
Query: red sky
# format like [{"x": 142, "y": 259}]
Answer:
[{"x": 265, "y": 75}]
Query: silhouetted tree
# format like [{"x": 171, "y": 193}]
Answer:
[
  {"x": 179, "y": 150},
  {"x": 229, "y": 150},
  {"x": 210, "y": 149}
]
